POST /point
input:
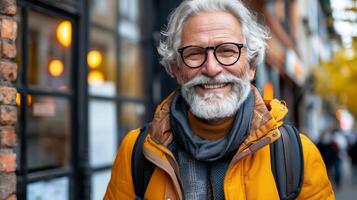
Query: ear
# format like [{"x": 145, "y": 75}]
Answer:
[
  {"x": 251, "y": 73},
  {"x": 175, "y": 72}
]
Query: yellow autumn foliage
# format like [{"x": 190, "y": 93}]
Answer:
[{"x": 336, "y": 79}]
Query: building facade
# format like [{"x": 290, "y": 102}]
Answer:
[{"x": 87, "y": 73}]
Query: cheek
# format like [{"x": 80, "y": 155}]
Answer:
[
  {"x": 238, "y": 71},
  {"x": 186, "y": 75},
  {"x": 240, "y": 68}
]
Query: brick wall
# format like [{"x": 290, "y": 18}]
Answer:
[{"x": 8, "y": 111}]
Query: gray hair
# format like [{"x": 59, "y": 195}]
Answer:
[{"x": 254, "y": 34}]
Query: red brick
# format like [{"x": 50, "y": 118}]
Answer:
[
  {"x": 8, "y": 7},
  {"x": 7, "y": 162},
  {"x": 7, "y": 95},
  {"x": 8, "y": 29},
  {"x": 7, "y": 137},
  {"x": 12, "y": 197},
  {"x": 7, "y": 185},
  {"x": 8, "y": 71},
  {"x": 8, "y": 49},
  {"x": 8, "y": 115}
]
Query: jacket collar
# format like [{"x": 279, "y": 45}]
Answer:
[{"x": 267, "y": 116}]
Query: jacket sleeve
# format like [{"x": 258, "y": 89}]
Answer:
[
  {"x": 121, "y": 184},
  {"x": 316, "y": 184}
]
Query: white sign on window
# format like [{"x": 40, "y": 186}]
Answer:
[{"x": 56, "y": 189}]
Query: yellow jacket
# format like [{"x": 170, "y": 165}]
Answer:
[{"x": 249, "y": 174}]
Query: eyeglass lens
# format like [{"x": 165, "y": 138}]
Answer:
[{"x": 226, "y": 54}]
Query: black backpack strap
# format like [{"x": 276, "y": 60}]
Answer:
[
  {"x": 141, "y": 168},
  {"x": 287, "y": 162}
]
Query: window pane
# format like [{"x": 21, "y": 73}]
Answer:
[
  {"x": 49, "y": 51},
  {"x": 18, "y": 129},
  {"x": 129, "y": 9},
  {"x": 48, "y": 132},
  {"x": 131, "y": 116},
  {"x": 102, "y": 63},
  {"x": 104, "y": 12},
  {"x": 56, "y": 189},
  {"x": 100, "y": 181},
  {"x": 131, "y": 82},
  {"x": 103, "y": 131}
]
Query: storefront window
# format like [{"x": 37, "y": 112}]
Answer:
[
  {"x": 131, "y": 82},
  {"x": 48, "y": 132},
  {"x": 129, "y": 9},
  {"x": 102, "y": 63},
  {"x": 100, "y": 181},
  {"x": 55, "y": 189},
  {"x": 102, "y": 132},
  {"x": 49, "y": 51},
  {"x": 132, "y": 116},
  {"x": 132, "y": 79},
  {"x": 103, "y": 12}
]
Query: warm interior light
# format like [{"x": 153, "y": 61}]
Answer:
[
  {"x": 29, "y": 100},
  {"x": 64, "y": 33},
  {"x": 95, "y": 78},
  {"x": 56, "y": 68},
  {"x": 94, "y": 59},
  {"x": 268, "y": 91},
  {"x": 18, "y": 99}
]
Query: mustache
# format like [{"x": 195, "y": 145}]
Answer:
[{"x": 220, "y": 79}]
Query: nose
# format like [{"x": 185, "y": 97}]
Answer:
[{"x": 211, "y": 67}]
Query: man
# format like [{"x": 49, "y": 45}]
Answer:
[{"x": 201, "y": 136}]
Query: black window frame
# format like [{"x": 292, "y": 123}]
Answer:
[
  {"x": 79, "y": 171},
  {"x": 74, "y": 95}
]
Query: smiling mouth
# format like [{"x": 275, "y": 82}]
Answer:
[{"x": 213, "y": 86}]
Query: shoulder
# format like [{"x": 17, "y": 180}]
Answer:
[
  {"x": 121, "y": 171},
  {"x": 126, "y": 148},
  {"x": 309, "y": 148},
  {"x": 316, "y": 184},
  {"x": 129, "y": 139},
  {"x": 311, "y": 153}
]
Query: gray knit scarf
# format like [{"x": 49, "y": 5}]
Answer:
[{"x": 202, "y": 162}]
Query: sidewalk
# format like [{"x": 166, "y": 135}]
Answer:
[{"x": 347, "y": 191}]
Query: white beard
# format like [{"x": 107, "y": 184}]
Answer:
[{"x": 213, "y": 105}]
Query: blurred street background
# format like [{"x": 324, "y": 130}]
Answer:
[{"x": 87, "y": 71}]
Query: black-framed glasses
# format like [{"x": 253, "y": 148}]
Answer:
[{"x": 226, "y": 54}]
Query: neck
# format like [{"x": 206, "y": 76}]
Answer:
[{"x": 210, "y": 129}]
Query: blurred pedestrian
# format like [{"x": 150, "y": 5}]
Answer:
[
  {"x": 352, "y": 152},
  {"x": 340, "y": 144},
  {"x": 211, "y": 138},
  {"x": 329, "y": 150}
]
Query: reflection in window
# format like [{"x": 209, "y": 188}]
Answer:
[
  {"x": 48, "y": 133},
  {"x": 56, "y": 189},
  {"x": 99, "y": 184},
  {"x": 49, "y": 49},
  {"x": 131, "y": 70},
  {"x": 131, "y": 116},
  {"x": 101, "y": 63},
  {"x": 104, "y": 12},
  {"x": 102, "y": 132},
  {"x": 129, "y": 9}
]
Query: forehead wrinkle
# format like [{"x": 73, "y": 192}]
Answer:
[{"x": 212, "y": 30}]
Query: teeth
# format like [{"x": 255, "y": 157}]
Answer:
[{"x": 213, "y": 86}]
